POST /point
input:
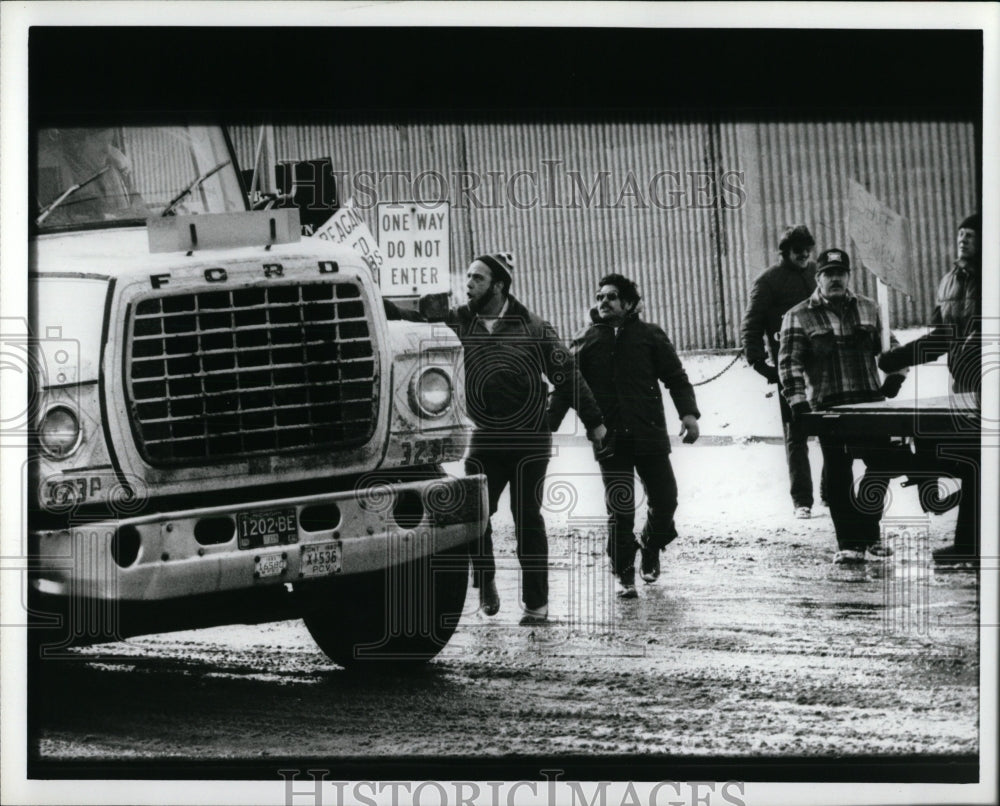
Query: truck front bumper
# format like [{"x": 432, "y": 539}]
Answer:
[{"x": 251, "y": 552}]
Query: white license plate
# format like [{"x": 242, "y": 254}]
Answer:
[
  {"x": 321, "y": 559},
  {"x": 269, "y": 565}
]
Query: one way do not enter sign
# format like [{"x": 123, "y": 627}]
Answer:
[{"x": 415, "y": 240}]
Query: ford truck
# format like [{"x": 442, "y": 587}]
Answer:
[{"x": 226, "y": 427}]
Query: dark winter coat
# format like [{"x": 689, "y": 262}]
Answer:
[
  {"x": 774, "y": 292},
  {"x": 624, "y": 372},
  {"x": 505, "y": 371},
  {"x": 956, "y": 329}
]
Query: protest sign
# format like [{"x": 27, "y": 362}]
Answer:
[
  {"x": 346, "y": 226},
  {"x": 881, "y": 239},
  {"x": 881, "y": 242}
]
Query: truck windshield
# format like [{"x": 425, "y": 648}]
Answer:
[{"x": 110, "y": 176}]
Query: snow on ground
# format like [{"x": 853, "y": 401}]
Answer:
[
  {"x": 741, "y": 404},
  {"x": 738, "y": 410}
]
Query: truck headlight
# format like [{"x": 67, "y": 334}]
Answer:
[
  {"x": 431, "y": 392},
  {"x": 59, "y": 432}
]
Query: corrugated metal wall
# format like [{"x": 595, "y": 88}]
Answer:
[
  {"x": 564, "y": 245},
  {"x": 693, "y": 238},
  {"x": 922, "y": 170}
]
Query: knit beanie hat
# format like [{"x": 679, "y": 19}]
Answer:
[
  {"x": 501, "y": 265},
  {"x": 971, "y": 222}
]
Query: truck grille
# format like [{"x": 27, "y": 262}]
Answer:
[{"x": 217, "y": 375}]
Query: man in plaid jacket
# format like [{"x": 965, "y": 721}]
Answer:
[{"x": 829, "y": 346}]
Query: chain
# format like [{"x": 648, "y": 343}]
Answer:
[{"x": 725, "y": 369}]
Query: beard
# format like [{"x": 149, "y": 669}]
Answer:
[{"x": 477, "y": 305}]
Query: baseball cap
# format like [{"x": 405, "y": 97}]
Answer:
[{"x": 833, "y": 259}]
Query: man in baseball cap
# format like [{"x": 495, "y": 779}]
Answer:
[{"x": 829, "y": 343}]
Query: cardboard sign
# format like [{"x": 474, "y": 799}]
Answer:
[
  {"x": 346, "y": 226},
  {"x": 881, "y": 239},
  {"x": 416, "y": 241}
]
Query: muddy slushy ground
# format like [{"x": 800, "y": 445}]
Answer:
[{"x": 750, "y": 644}]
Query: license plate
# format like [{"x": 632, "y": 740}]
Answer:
[
  {"x": 270, "y": 527},
  {"x": 269, "y": 565},
  {"x": 321, "y": 559}
]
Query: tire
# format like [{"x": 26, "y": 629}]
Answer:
[{"x": 401, "y": 615}]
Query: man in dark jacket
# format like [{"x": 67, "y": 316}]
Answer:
[
  {"x": 622, "y": 359},
  {"x": 777, "y": 289},
  {"x": 956, "y": 330},
  {"x": 509, "y": 351}
]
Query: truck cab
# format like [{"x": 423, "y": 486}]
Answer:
[{"x": 225, "y": 425}]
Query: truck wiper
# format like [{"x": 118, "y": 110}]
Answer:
[
  {"x": 67, "y": 193},
  {"x": 169, "y": 209}
]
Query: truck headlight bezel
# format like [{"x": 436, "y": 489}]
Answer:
[
  {"x": 431, "y": 393},
  {"x": 59, "y": 432}
]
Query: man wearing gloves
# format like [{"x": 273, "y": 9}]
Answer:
[
  {"x": 956, "y": 330},
  {"x": 829, "y": 344},
  {"x": 623, "y": 359},
  {"x": 777, "y": 289}
]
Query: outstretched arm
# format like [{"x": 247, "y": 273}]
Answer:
[{"x": 921, "y": 350}]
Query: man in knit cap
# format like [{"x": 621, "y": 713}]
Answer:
[
  {"x": 777, "y": 289},
  {"x": 956, "y": 331},
  {"x": 509, "y": 351}
]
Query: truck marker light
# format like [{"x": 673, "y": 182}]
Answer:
[{"x": 59, "y": 432}]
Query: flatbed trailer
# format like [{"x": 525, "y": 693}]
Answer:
[{"x": 930, "y": 438}]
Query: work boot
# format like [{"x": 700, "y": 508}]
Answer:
[
  {"x": 649, "y": 567},
  {"x": 626, "y": 584},
  {"x": 489, "y": 598},
  {"x": 535, "y": 615},
  {"x": 849, "y": 557},
  {"x": 879, "y": 549},
  {"x": 953, "y": 555}
]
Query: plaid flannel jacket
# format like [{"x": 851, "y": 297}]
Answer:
[{"x": 831, "y": 353}]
